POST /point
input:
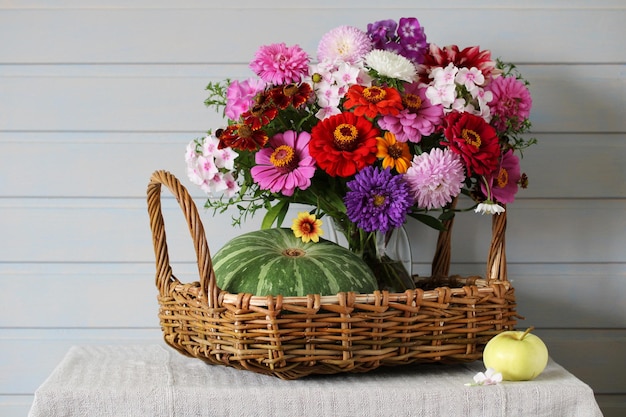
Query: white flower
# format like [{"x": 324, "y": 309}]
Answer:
[
  {"x": 489, "y": 207},
  {"x": 444, "y": 76},
  {"x": 225, "y": 158},
  {"x": 489, "y": 377},
  {"x": 390, "y": 64},
  {"x": 443, "y": 94},
  {"x": 470, "y": 78}
]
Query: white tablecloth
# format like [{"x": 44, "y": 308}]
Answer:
[{"x": 157, "y": 381}]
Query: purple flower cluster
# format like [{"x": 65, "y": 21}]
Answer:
[
  {"x": 377, "y": 200},
  {"x": 406, "y": 38}
]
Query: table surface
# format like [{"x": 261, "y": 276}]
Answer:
[{"x": 154, "y": 380}]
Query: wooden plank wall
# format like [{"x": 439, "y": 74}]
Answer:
[{"x": 95, "y": 95}]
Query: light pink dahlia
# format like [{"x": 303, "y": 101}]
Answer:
[
  {"x": 240, "y": 96},
  {"x": 510, "y": 104},
  {"x": 435, "y": 178},
  {"x": 286, "y": 164},
  {"x": 279, "y": 64},
  {"x": 419, "y": 117},
  {"x": 344, "y": 43}
]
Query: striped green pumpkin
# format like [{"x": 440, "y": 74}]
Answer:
[{"x": 274, "y": 261}]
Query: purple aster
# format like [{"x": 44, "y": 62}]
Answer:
[
  {"x": 279, "y": 64},
  {"x": 511, "y": 103},
  {"x": 377, "y": 200},
  {"x": 419, "y": 117},
  {"x": 435, "y": 178},
  {"x": 382, "y": 32},
  {"x": 286, "y": 164}
]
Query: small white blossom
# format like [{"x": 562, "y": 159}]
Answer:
[
  {"x": 489, "y": 207},
  {"x": 489, "y": 377}
]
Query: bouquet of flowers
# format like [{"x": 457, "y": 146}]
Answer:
[{"x": 382, "y": 126}]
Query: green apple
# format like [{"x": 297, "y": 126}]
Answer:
[{"x": 517, "y": 355}]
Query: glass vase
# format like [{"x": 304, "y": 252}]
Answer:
[{"x": 387, "y": 254}]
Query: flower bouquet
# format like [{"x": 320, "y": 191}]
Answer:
[{"x": 380, "y": 127}]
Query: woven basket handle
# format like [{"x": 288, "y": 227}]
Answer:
[
  {"x": 496, "y": 260},
  {"x": 164, "y": 277}
]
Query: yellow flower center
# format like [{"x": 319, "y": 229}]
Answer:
[
  {"x": 374, "y": 94},
  {"x": 471, "y": 137},
  {"x": 503, "y": 178},
  {"x": 317, "y": 77},
  {"x": 345, "y": 136},
  {"x": 283, "y": 158},
  {"x": 379, "y": 200},
  {"x": 412, "y": 102}
]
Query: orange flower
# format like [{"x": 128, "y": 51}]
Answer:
[
  {"x": 395, "y": 155},
  {"x": 374, "y": 100},
  {"x": 307, "y": 227}
]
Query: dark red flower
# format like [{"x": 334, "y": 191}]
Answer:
[
  {"x": 242, "y": 137},
  {"x": 374, "y": 100},
  {"x": 467, "y": 58},
  {"x": 474, "y": 140},
  {"x": 344, "y": 144},
  {"x": 290, "y": 94}
]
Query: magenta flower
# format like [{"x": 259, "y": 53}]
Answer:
[
  {"x": 345, "y": 44},
  {"x": 435, "y": 178},
  {"x": 504, "y": 182},
  {"x": 240, "y": 96},
  {"x": 279, "y": 64},
  {"x": 511, "y": 103},
  {"x": 419, "y": 117},
  {"x": 286, "y": 164}
]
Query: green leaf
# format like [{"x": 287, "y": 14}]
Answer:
[
  {"x": 276, "y": 212},
  {"x": 428, "y": 220}
]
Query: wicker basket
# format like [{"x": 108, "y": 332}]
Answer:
[{"x": 291, "y": 337}]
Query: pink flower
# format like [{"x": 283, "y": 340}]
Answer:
[
  {"x": 286, "y": 164},
  {"x": 504, "y": 181},
  {"x": 279, "y": 64},
  {"x": 510, "y": 104},
  {"x": 435, "y": 178},
  {"x": 419, "y": 117},
  {"x": 344, "y": 43},
  {"x": 240, "y": 96}
]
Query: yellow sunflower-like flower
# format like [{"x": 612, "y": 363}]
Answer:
[
  {"x": 307, "y": 227},
  {"x": 395, "y": 155}
]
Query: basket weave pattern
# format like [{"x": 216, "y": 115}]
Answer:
[{"x": 291, "y": 337}]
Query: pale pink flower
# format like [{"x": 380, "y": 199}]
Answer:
[
  {"x": 435, "y": 178},
  {"x": 344, "y": 43},
  {"x": 489, "y": 377}
]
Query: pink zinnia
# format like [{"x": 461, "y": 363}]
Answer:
[
  {"x": 240, "y": 96},
  {"x": 279, "y": 64},
  {"x": 435, "y": 178},
  {"x": 286, "y": 164},
  {"x": 419, "y": 117},
  {"x": 511, "y": 103},
  {"x": 504, "y": 181},
  {"x": 344, "y": 43}
]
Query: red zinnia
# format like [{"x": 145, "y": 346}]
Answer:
[
  {"x": 374, "y": 100},
  {"x": 242, "y": 137},
  {"x": 474, "y": 140},
  {"x": 344, "y": 144}
]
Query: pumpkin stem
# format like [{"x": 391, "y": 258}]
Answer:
[{"x": 294, "y": 252}]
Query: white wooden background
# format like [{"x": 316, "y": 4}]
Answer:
[{"x": 95, "y": 95}]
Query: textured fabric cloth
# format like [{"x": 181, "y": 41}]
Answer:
[{"x": 154, "y": 381}]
